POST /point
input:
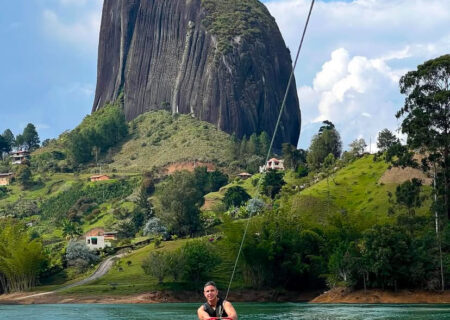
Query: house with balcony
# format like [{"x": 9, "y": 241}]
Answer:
[{"x": 272, "y": 164}]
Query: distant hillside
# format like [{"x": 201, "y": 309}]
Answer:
[
  {"x": 158, "y": 139},
  {"x": 355, "y": 191},
  {"x": 155, "y": 140}
]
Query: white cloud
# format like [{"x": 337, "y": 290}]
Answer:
[
  {"x": 361, "y": 99},
  {"x": 76, "y": 23},
  {"x": 354, "y": 55}
]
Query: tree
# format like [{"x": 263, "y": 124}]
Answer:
[
  {"x": 255, "y": 206},
  {"x": 426, "y": 120},
  {"x": 71, "y": 229},
  {"x": 264, "y": 144},
  {"x": 326, "y": 125},
  {"x": 102, "y": 130},
  {"x": 408, "y": 195},
  {"x": 19, "y": 141},
  {"x": 30, "y": 137},
  {"x": 235, "y": 196},
  {"x": 216, "y": 180},
  {"x": 156, "y": 265},
  {"x": 243, "y": 146},
  {"x": 386, "y": 139},
  {"x": 199, "y": 259},
  {"x": 24, "y": 175},
  {"x": 325, "y": 142},
  {"x": 272, "y": 183},
  {"x": 292, "y": 156},
  {"x": 180, "y": 203},
  {"x": 4, "y": 146},
  {"x": 144, "y": 204},
  {"x": 357, "y": 147},
  {"x": 79, "y": 255},
  {"x": 9, "y": 137},
  {"x": 253, "y": 144},
  {"x": 154, "y": 227},
  {"x": 22, "y": 259}
]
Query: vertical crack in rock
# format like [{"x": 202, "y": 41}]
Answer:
[{"x": 182, "y": 67}]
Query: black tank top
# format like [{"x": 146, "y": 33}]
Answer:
[{"x": 215, "y": 313}]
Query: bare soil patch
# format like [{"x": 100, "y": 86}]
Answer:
[
  {"x": 399, "y": 175},
  {"x": 344, "y": 295},
  {"x": 188, "y": 165}
]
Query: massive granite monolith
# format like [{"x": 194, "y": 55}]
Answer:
[{"x": 224, "y": 61}]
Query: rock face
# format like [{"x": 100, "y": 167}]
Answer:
[{"x": 224, "y": 61}]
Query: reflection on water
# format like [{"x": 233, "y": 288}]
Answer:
[{"x": 246, "y": 311}]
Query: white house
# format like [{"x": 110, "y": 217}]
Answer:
[
  {"x": 97, "y": 242},
  {"x": 18, "y": 157},
  {"x": 95, "y": 238},
  {"x": 272, "y": 164}
]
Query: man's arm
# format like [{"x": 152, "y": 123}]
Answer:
[
  {"x": 229, "y": 309},
  {"x": 202, "y": 315}
]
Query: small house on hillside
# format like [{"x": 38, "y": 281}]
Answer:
[
  {"x": 18, "y": 157},
  {"x": 99, "y": 177},
  {"x": 244, "y": 175},
  {"x": 97, "y": 238},
  {"x": 272, "y": 164},
  {"x": 5, "y": 178}
]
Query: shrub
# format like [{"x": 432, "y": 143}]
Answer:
[{"x": 79, "y": 255}]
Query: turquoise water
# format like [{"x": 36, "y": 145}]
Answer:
[{"x": 246, "y": 311}]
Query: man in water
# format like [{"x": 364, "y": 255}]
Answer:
[{"x": 215, "y": 306}]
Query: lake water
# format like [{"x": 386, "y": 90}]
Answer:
[{"x": 246, "y": 311}]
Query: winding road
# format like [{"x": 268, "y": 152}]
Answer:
[{"x": 102, "y": 269}]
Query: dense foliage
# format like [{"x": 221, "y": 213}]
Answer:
[
  {"x": 325, "y": 142},
  {"x": 22, "y": 258},
  {"x": 57, "y": 207},
  {"x": 426, "y": 120},
  {"x": 97, "y": 133},
  {"x": 191, "y": 263}
]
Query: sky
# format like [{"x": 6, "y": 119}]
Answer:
[{"x": 352, "y": 59}]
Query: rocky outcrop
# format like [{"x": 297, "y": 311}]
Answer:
[{"x": 224, "y": 61}]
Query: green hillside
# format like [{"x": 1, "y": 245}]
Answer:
[{"x": 157, "y": 139}]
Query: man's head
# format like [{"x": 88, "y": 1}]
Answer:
[{"x": 210, "y": 291}]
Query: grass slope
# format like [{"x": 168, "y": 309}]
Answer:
[
  {"x": 354, "y": 190},
  {"x": 157, "y": 139}
]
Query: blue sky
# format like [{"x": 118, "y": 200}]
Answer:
[{"x": 353, "y": 56}]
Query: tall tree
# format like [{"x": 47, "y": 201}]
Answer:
[
  {"x": 253, "y": 144},
  {"x": 180, "y": 203},
  {"x": 31, "y": 137},
  {"x": 357, "y": 147},
  {"x": 426, "y": 120},
  {"x": 408, "y": 195},
  {"x": 325, "y": 142},
  {"x": 19, "y": 141},
  {"x": 9, "y": 138},
  {"x": 272, "y": 183},
  {"x": 235, "y": 196},
  {"x": 4, "y": 146},
  {"x": 386, "y": 139},
  {"x": 264, "y": 143},
  {"x": 292, "y": 156}
]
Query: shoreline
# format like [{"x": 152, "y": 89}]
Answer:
[
  {"x": 333, "y": 296},
  {"x": 153, "y": 297},
  {"x": 378, "y": 296}
]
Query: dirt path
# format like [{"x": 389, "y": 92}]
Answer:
[{"x": 102, "y": 269}]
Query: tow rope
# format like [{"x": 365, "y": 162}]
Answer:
[{"x": 283, "y": 104}]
